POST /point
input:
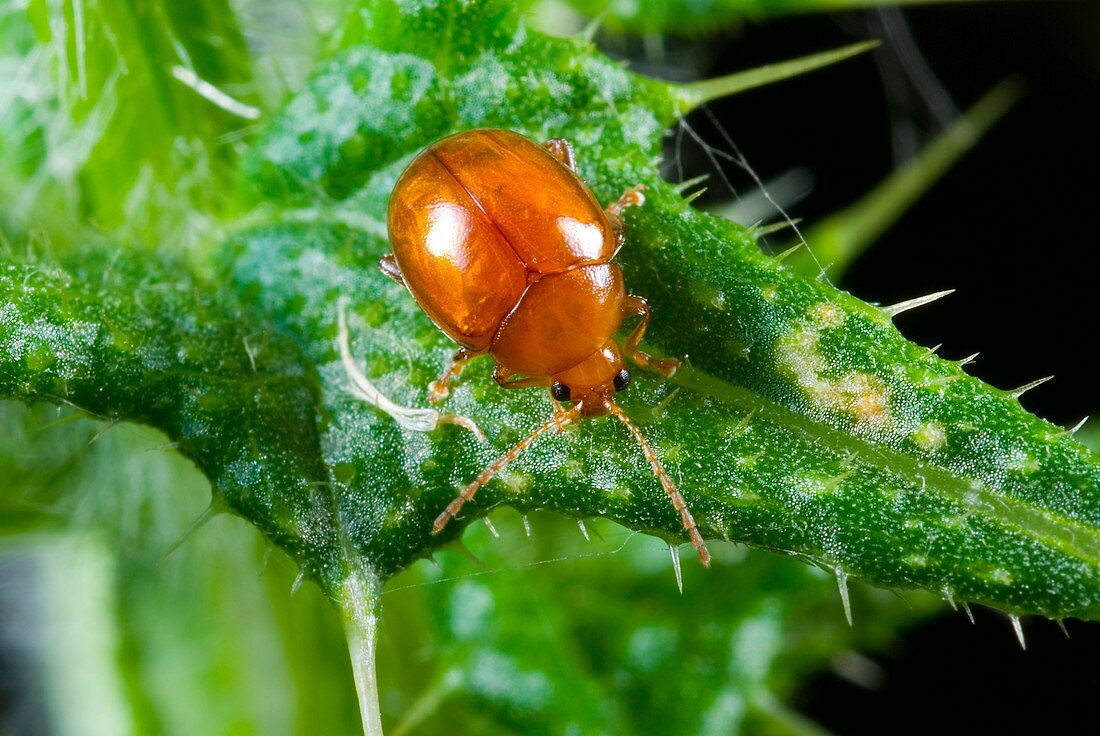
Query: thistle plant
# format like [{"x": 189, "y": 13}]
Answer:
[{"x": 184, "y": 220}]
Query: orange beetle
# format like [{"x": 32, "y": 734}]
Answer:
[{"x": 509, "y": 253}]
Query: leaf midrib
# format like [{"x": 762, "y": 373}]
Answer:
[{"x": 1057, "y": 531}]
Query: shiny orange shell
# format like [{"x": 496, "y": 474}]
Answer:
[{"x": 507, "y": 251}]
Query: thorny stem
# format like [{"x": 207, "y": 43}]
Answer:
[{"x": 359, "y": 604}]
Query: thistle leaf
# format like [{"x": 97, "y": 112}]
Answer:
[{"x": 802, "y": 422}]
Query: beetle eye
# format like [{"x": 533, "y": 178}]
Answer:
[
  {"x": 621, "y": 380},
  {"x": 559, "y": 391}
]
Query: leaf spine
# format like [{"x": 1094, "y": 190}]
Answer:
[
  {"x": 842, "y": 586},
  {"x": 675, "y": 552},
  {"x": 895, "y": 309},
  {"x": 1019, "y": 629},
  {"x": 1017, "y": 393}
]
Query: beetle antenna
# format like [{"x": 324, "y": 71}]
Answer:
[
  {"x": 559, "y": 420},
  {"x": 673, "y": 492}
]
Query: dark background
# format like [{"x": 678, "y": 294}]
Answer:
[{"x": 1011, "y": 227}]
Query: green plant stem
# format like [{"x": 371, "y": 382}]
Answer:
[{"x": 359, "y": 604}]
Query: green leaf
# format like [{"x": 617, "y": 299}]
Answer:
[
  {"x": 802, "y": 422},
  {"x": 126, "y": 338},
  {"x": 805, "y": 422}
]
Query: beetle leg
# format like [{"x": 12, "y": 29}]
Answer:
[
  {"x": 389, "y": 266},
  {"x": 663, "y": 477},
  {"x": 637, "y": 306},
  {"x": 504, "y": 379},
  {"x": 440, "y": 389},
  {"x": 554, "y": 422},
  {"x": 560, "y": 149},
  {"x": 630, "y": 198}
]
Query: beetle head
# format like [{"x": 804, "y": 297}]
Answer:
[{"x": 592, "y": 383}]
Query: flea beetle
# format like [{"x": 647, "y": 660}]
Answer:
[{"x": 509, "y": 253}]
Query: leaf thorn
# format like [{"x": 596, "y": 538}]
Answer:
[
  {"x": 967, "y": 360},
  {"x": 694, "y": 94},
  {"x": 689, "y": 198},
  {"x": 102, "y": 431},
  {"x": 687, "y": 184},
  {"x": 675, "y": 552},
  {"x": 895, "y": 309},
  {"x": 778, "y": 257},
  {"x": 1017, "y": 393},
  {"x": 760, "y": 231},
  {"x": 298, "y": 581},
  {"x": 969, "y": 613},
  {"x": 842, "y": 586},
  {"x": 200, "y": 521},
  {"x": 1019, "y": 629}
]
